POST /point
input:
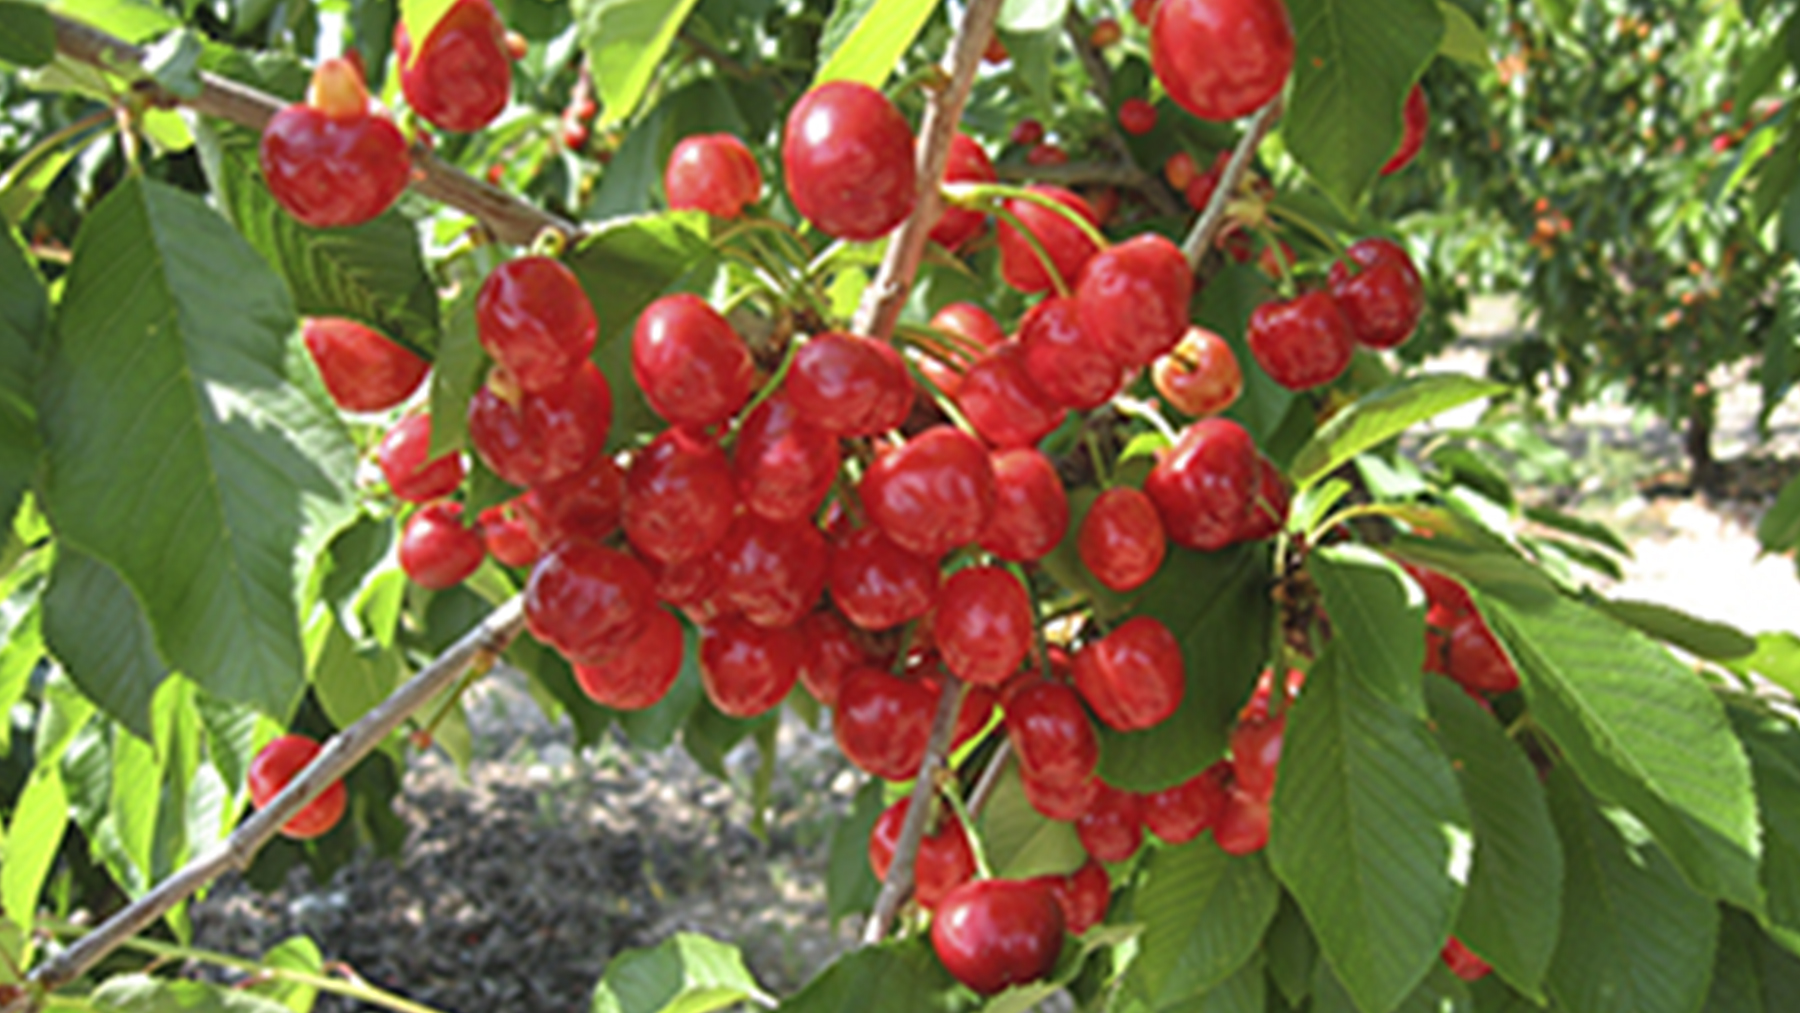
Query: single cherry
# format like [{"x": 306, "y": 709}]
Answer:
[
  {"x": 1301, "y": 343},
  {"x": 850, "y": 385},
  {"x": 932, "y": 494},
  {"x": 879, "y": 585},
  {"x": 363, "y": 371},
  {"x": 436, "y": 550},
  {"x": 640, "y": 674},
  {"x": 1112, "y": 829},
  {"x": 1083, "y": 895},
  {"x": 679, "y": 497},
  {"x": 1178, "y": 815},
  {"x": 1026, "y": 133},
  {"x": 1002, "y": 403},
  {"x": 1255, "y": 752},
  {"x": 693, "y": 368},
  {"x": 1463, "y": 962},
  {"x": 1134, "y": 677},
  {"x": 587, "y": 601},
  {"x": 1203, "y": 485},
  {"x": 995, "y": 933},
  {"x": 714, "y": 173},
  {"x": 1050, "y": 731},
  {"x": 1031, "y": 510},
  {"x": 532, "y": 438},
  {"x": 1068, "y": 246},
  {"x": 461, "y": 78},
  {"x": 280, "y": 762},
  {"x": 1121, "y": 540},
  {"x": 748, "y": 669},
  {"x": 883, "y": 722},
  {"x": 983, "y": 625},
  {"x": 774, "y": 570},
  {"x": 585, "y": 505},
  {"x": 1143, "y": 10},
  {"x": 1200, "y": 376},
  {"x": 331, "y": 161},
  {"x": 1180, "y": 170},
  {"x": 1065, "y": 803},
  {"x": 944, "y": 862},
  {"x": 1383, "y": 301},
  {"x": 410, "y": 475},
  {"x": 1134, "y": 298},
  {"x": 831, "y": 653},
  {"x": 534, "y": 318},
  {"x": 1415, "y": 116},
  {"x": 967, "y": 163},
  {"x": 1243, "y": 825},
  {"x": 1105, "y": 33},
  {"x": 1476, "y": 658},
  {"x": 507, "y": 534},
  {"x": 1221, "y": 59},
  {"x": 783, "y": 465},
  {"x": 848, "y": 157},
  {"x": 1064, "y": 359},
  {"x": 1137, "y": 116}
]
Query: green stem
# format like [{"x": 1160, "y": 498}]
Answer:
[
  {"x": 990, "y": 196},
  {"x": 947, "y": 791},
  {"x": 1091, "y": 440},
  {"x": 1282, "y": 262},
  {"x": 943, "y": 401},
  {"x": 937, "y": 341},
  {"x": 767, "y": 391},
  {"x": 1147, "y": 412},
  {"x": 1039, "y": 644},
  {"x": 1310, "y": 227},
  {"x": 1037, "y": 247}
]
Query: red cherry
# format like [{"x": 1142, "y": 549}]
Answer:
[
  {"x": 461, "y": 77},
  {"x": 1221, "y": 59},
  {"x": 1200, "y": 375},
  {"x": 883, "y": 722},
  {"x": 587, "y": 601},
  {"x": 693, "y": 368},
  {"x": 641, "y": 673},
  {"x": 1027, "y": 132},
  {"x": 1050, "y": 731},
  {"x": 409, "y": 474},
  {"x": 1177, "y": 815},
  {"x": 679, "y": 497},
  {"x": 1257, "y": 707},
  {"x": 1134, "y": 298},
  {"x": 1384, "y": 300},
  {"x": 696, "y": 587},
  {"x": 1106, "y": 32},
  {"x": 1415, "y": 116},
  {"x": 1121, "y": 540},
  {"x": 1476, "y": 658},
  {"x": 584, "y": 505},
  {"x": 996, "y": 933},
  {"x": 1065, "y": 803},
  {"x": 747, "y": 669},
  {"x": 280, "y": 762},
  {"x": 783, "y": 464},
  {"x": 1203, "y": 486},
  {"x": 1255, "y": 752},
  {"x": 1064, "y": 359},
  {"x": 1134, "y": 677},
  {"x": 436, "y": 550},
  {"x": 1143, "y": 10},
  {"x": 1180, "y": 170},
  {"x": 848, "y": 157},
  {"x": 879, "y": 585},
  {"x": 1137, "y": 116},
  {"x": 507, "y": 534},
  {"x": 331, "y": 162},
  {"x": 1113, "y": 827},
  {"x": 932, "y": 494},
  {"x": 850, "y": 385},
  {"x": 1463, "y": 962},
  {"x": 1031, "y": 510},
  {"x": 1002, "y": 403},
  {"x": 1441, "y": 590},
  {"x": 1083, "y": 895},
  {"x": 774, "y": 570},
  {"x": 944, "y": 862},
  {"x": 995, "y": 52},
  {"x": 363, "y": 371},
  {"x": 983, "y": 624},
  {"x": 978, "y": 332},
  {"x": 1047, "y": 154},
  {"x": 1243, "y": 825},
  {"x": 1302, "y": 343},
  {"x": 967, "y": 163},
  {"x": 540, "y": 437},
  {"x": 1268, "y": 507},
  {"x": 535, "y": 320},
  {"x": 1069, "y": 248},
  {"x": 714, "y": 173},
  {"x": 1199, "y": 193},
  {"x": 831, "y": 653}
]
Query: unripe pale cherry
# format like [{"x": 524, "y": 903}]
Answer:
[
  {"x": 1200, "y": 376},
  {"x": 714, "y": 173},
  {"x": 693, "y": 368},
  {"x": 847, "y": 154}
]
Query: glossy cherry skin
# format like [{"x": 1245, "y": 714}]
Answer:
[
  {"x": 696, "y": 587},
  {"x": 983, "y": 624},
  {"x": 1476, "y": 658},
  {"x": 783, "y": 465},
  {"x": 1134, "y": 677},
  {"x": 1112, "y": 829},
  {"x": 363, "y": 371},
  {"x": 714, "y": 173},
  {"x": 850, "y": 385},
  {"x": 1221, "y": 59},
  {"x": 978, "y": 332},
  {"x": 831, "y": 653},
  {"x": 879, "y": 585},
  {"x": 774, "y": 570},
  {"x": 1069, "y": 248},
  {"x": 1463, "y": 962},
  {"x": 584, "y": 505},
  {"x": 461, "y": 77},
  {"x": 1065, "y": 803},
  {"x": 747, "y": 669},
  {"x": 1050, "y": 731},
  {"x": 1440, "y": 590},
  {"x": 507, "y": 535},
  {"x": 331, "y": 162},
  {"x": 967, "y": 163},
  {"x": 410, "y": 475},
  {"x": 1063, "y": 358},
  {"x": 945, "y": 860},
  {"x": 587, "y": 601},
  {"x": 1384, "y": 300},
  {"x": 1026, "y": 133},
  {"x": 1134, "y": 298},
  {"x": 1137, "y": 116},
  {"x": 1268, "y": 505},
  {"x": 1204, "y": 484},
  {"x": 1031, "y": 510},
  {"x": 883, "y": 722},
  {"x": 932, "y": 494},
  {"x": 535, "y": 320},
  {"x": 693, "y": 368},
  {"x": 541, "y": 436},
  {"x": 1177, "y": 815},
  {"x": 280, "y": 762},
  {"x": 1255, "y": 752},
  {"x": 679, "y": 497},
  {"x": 1002, "y": 403},
  {"x": 1243, "y": 825},
  {"x": 1047, "y": 154},
  {"x": 848, "y": 158},
  {"x": 1121, "y": 540},
  {"x": 436, "y": 550},
  {"x": 1415, "y": 116},
  {"x": 640, "y": 674},
  {"x": 1200, "y": 376},
  {"x": 1302, "y": 343},
  {"x": 1083, "y": 895},
  {"x": 996, "y": 933}
]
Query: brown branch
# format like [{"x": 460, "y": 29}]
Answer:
[
  {"x": 1206, "y": 229},
  {"x": 342, "y": 752},
  {"x": 1080, "y": 33},
  {"x": 510, "y": 219},
  {"x": 899, "y": 882},
  {"x": 882, "y": 302}
]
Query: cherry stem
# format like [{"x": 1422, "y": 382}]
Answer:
[
  {"x": 549, "y": 243},
  {"x": 1148, "y": 412},
  {"x": 988, "y": 196},
  {"x": 899, "y": 880},
  {"x": 948, "y": 792},
  {"x": 1283, "y": 262},
  {"x": 1102, "y": 473},
  {"x": 763, "y": 393},
  {"x": 1310, "y": 227},
  {"x": 1037, "y": 247},
  {"x": 943, "y": 401},
  {"x": 1037, "y": 628},
  {"x": 1206, "y": 228},
  {"x": 936, "y": 341}
]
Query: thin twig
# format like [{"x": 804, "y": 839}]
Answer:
[
  {"x": 510, "y": 219},
  {"x": 990, "y": 779},
  {"x": 882, "y": 302},
  {"x": 1206, "y": 229},
  {"x": 899, "y": 880}
]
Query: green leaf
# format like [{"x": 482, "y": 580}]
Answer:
[
  {"x": 1635, "y": 937},
  {"x": 295, "y": 953},
  {"x": 33, "y": 837},
  {"x": 1773, "y": 743},
  {"x": 182, "y": 453},
  {"x": 686, "y": 973},
  {"x": 421, "y": 17},
  {"x": 1021, "y": 842},
  {"x": 1736, "y": 981},
  {"x": 625, "y": 41},
  {"x": 458, "y": 372},
  {"x": 1204, "y": 914},
  {"x": 97, "y": 629},
  {"x": 131, "y": 812},
  {"x": 350, "y": 679},
  {"x": 1292, "y": 952},
  {"x": 1373, "y": 609},
  {"x": 1777, "y": 657},
  {"x": 1216, "y": 604},
  {"x": 1703, "y": 638},
  {"x": 1032, "y": 15},
  {"x": 893, "y": 977},
  {"x": 1226, "y": 303},
  {"x": 850, "y": 884},
  {"x": 1381, "y": 414},
  {"x": 1246, "y": 991},
  {"x": 1353, "y": 65},
  {"x": 139, "y": 993},
  {"x": 24, "y": 319},
  {"x": 1369, "y": 833},
  {"x": 27, "y": 35},
  {"x": 174, "y": 62},
  {"x": 1779, "y": 529},
  {"x": 1580, "y": 527},
  {"x": 1511, "y": 906},
  {"x": 864, "y": 39},
  {"x": 1463, "y": 39}
]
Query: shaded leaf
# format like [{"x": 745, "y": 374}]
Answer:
[
  {"x": 1020, "y": 841},
  {"x": 1701, "y": 637},
  {"x": 27, "y": 35},
  {"x": 893, "y": 977},
  {"x": 24, "y": 319},
  {"x": 686, "y": 973},
  {"x": 850, "y": 883},
  {"x": 1463, "y": 39},
  {"x": 1204, "y": 914},
  {"x": 1373, "y": 609},
  {"x": 1772, "y": 741},
  {"x": 1380, "y": 415},
  {"x": 97, "y": 629}
]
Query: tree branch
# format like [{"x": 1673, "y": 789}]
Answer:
[
  {"x": 342, "y": 752},
  {"x": 1206, "y": 229},
  {"x": 899, "y": 880},
  {"x": 882, "y": 302},
  {"x": 510, "y": 219}
]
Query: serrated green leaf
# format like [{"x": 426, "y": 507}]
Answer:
[
  {"x": 98, "y": 630},
  {"x": 686, "y": 973},
  {"x": 1380, "y": 415},
  {"x": 27, "y": 35},
  {"x": 1772, "y": 741},
  {"x": 33, "y": 836},
  {"x": 1204, "y": 914},
  {"x": 139, "y": 993},
  {"x": 1374, "y": 610},
  {"x": 295, "y": 953},
  {"x": 1736, "y": 983},
  {"x": 131, "y": 813},
  {"x": 131, "y": 20},
  {"x": 850, "y": 883},
  {"x": 1291, "y": 951},
  {"x": 183, "y": 454},
  {"x": 1595, "y": 532},
  {"x": 1021, "y": 842},
  {"x": 1701, "y": 637},
  {"x": 1463, "y": 39},
  {"x": 1246, "y": 991},
  {"x": 864, "y": 39},
  {"x": 24, "y": 319},
  {"x": 348, "y": 679},
  {"x": 625, "y": 41},
  {"x": 458, "y": 372},
  {"x": 893, "y": 977}
]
